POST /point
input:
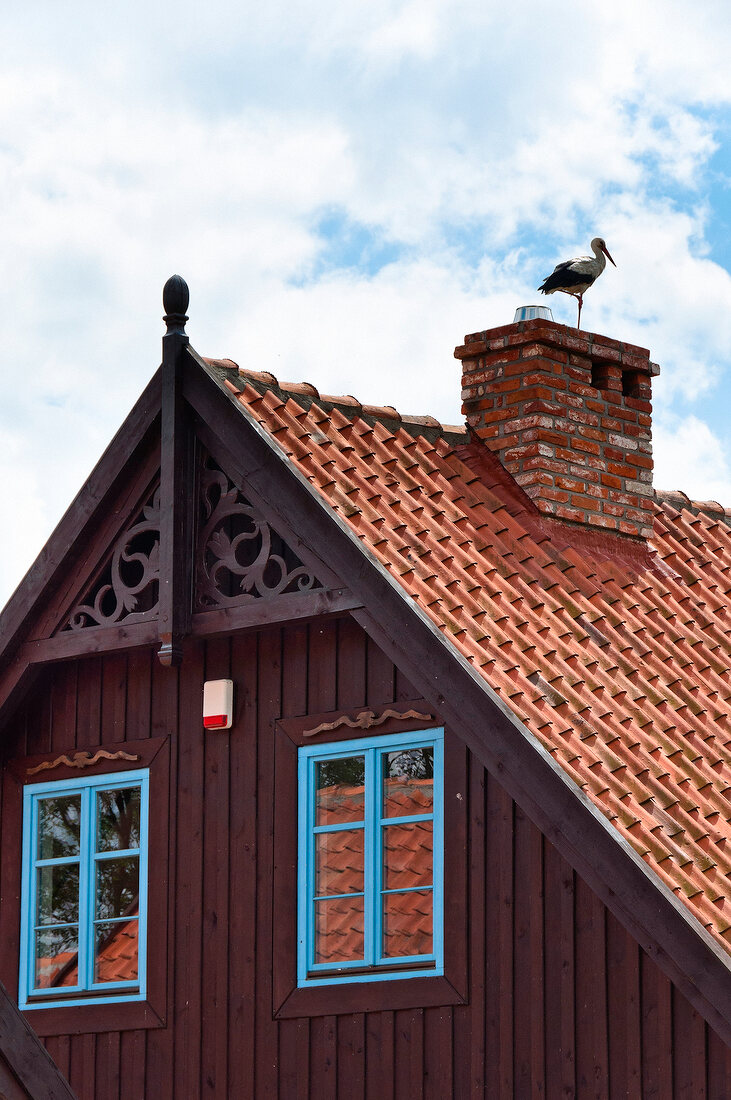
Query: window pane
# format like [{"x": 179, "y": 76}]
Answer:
[
  {"x": 407, "y": 924},
  {"x": 118, "y": 819},
  {"x": 407, "y": 855},
  {"x": 115, "y": 952},
  {"x": 339, "y": 930},
  {"x": 339, "y": 861},
  {"x": 339, "y": 790},
  {"x": 116, "y": 886},
  {"x": 59, "y": 826},
  {"x": 408, "y": 782},
  {"x": 56, "y": 952},
  {"x": 57, "y": 894}
]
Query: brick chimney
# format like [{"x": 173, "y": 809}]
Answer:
[{"x": 568, "y": 413}]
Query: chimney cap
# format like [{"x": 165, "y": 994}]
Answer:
[{"x": 532, "y": 313}]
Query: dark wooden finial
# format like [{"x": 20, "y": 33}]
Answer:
[{"x": 175, "y": 298}]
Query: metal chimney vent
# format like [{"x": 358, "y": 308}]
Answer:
[{"x": 530, "y": 313}]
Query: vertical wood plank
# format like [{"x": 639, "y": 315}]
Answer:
[
  {"x": 499, "y": 966},
  {"x": 270, "y": 708},
  {"x": 63, "y": 707},
  {"x": 38, "y": 733},
  {"x": 114, "y": 698},
  {"x": 156, "y": 1050},
  {"x": 107, "y": 1074},
  {"x": 688, "y": 1050},
  {"x": 351, "y": 1056},
  {"x": 294, "y": 1059},
  {"x": 560, "y": 991},
  {"x": 132, "y": 1060},
  {"x": 188, "y": 877},
  {"x": 323, "y": 1058},
  {"x": 139, "y": 693},
  {"x": 380, "y": 1056},
  {"x": 82, "y": 1077},
  {"x": 592, "y": 1060},
  {"x": 528, "y": 1027},
  {"x": 321, "y": 679},
  {"x": 215, "y": 947},
  {"x": 718, "y": 1079},
  {"x": 88, "y": 705},
  {"x": 351, "y": 665},
  {"x": 469, "y": 1019},
  {"x": 438, "y": 1053},
  {"x": 657, "y": 1037},
  {"x": 409, "y": 1053},
  {"x": 625, "y": 1028},
  {"x": 242, "y": 886},
  {"x": 59, "y": 1047},
  {"x": 380, "y": 676},
  {"x": 294, "y": 1035}
]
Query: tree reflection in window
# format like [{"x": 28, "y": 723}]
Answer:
[{"x": 85, "y": 886}]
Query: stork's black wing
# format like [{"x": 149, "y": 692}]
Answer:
[{"x": 564, "y": 278}]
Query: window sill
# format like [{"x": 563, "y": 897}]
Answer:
[
  {"x": 80, "y": 1019},
  {"x": 364, "y": 996}
]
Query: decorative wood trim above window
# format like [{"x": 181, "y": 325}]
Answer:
[
  {"x": 152, "y": 754},
  {"x": 289, "y": 1001}
]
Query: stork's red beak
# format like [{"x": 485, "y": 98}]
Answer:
[{"x": 605, "y": 250}]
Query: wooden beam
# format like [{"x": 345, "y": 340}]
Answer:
[
  {"x": 660, "y": 923},
  {"x": 27, "y": 1057},
  {"x": 90, "y": 641},
  {"x": 177, "y": 482},
  {"x": 278, "y": 609}
]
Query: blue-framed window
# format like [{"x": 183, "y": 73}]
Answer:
[
  {"x": 84, "y": 895},
  {"x": 371, "y": 859}
]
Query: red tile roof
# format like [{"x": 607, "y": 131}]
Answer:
[{"x": 617, "y": 659}]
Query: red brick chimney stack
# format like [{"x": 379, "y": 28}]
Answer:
[{"x": 569, "y": 415}]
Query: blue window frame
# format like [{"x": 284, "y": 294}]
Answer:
[
  {"x": 371, "y": 859},
  {"x": 84, "y": 893}
]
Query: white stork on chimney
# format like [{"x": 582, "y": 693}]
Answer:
[{"x": 576, "y": 276}]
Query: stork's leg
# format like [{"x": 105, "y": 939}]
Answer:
[{"x": 581, "y": 300}]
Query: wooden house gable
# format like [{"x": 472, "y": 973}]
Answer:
[
  {"x": 137, "y": 549},
  {"x": 196, "y": 527}
]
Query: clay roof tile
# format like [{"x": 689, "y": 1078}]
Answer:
[{"x": 616, "y": 655}]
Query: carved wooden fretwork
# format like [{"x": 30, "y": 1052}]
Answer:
[
  {"x": 129, "y": 586},
  {"x": 239, "y": 557},
  {"x": 82, "y": 759},
  {"x": 366, "y": 720}
]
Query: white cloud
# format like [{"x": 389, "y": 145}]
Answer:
[
  {"x": 688, "y": 456},
  {"x": 484, "y": 147}
]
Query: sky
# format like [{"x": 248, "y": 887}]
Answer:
[{"x": 349, "y": 187}]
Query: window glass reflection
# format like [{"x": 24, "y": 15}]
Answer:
[
  {"x": 408, "y": 782},
  {"x": 339, "y": 790},
  {"x": 118, "y": 819},
  {"x": 59, "y": 824}
]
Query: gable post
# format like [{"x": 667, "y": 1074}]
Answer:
[{"x": 176, "y": 481}]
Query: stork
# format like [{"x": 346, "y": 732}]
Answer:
[{"x": 576, "y": 276}]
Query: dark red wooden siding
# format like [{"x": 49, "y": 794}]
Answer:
[{"x": 562, "y": 1001}]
